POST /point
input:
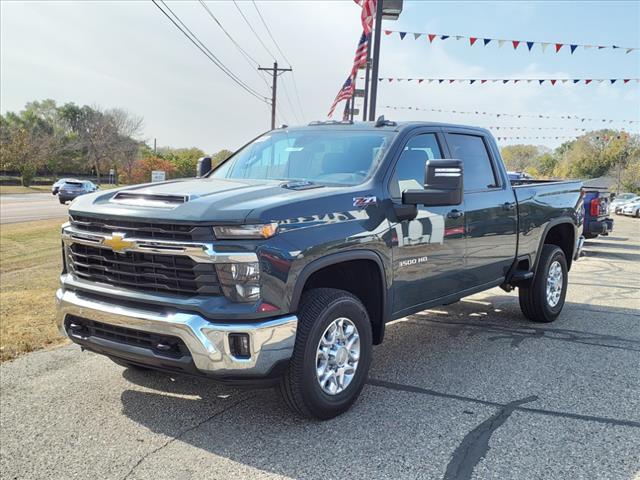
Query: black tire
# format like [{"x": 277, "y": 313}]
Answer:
[
  {"x": 299, "y": 386},
  {"x": 533, "y": 298},
  {"x": 63, "y": 202},
  {"x": 589, "y": 236}
]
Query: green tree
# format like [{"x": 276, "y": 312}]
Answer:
[{"x": 520, "y": 157}]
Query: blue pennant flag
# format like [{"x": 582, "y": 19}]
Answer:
[
  {"x": 613, "y": 80},
  {"x": 441, "y": 80},
  {"x": 573, "y": 48},
  {"x": 505, "y": 81},
  {"x": 541, "y": 81},
  {"x": 402, "y": 35},
  {"x": 486, "y": 40},
  {"x": 471, "y": 82},
  {"x": 530, "y": 45},
  {"x": 444, "y": 37},
  {"x": 576, "y": 80}
]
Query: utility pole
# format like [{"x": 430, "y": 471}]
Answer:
[
  {"x": 376, "y": 62},
  {"x": 366, "y": 81},
  {"x": 275, "y": 71}
]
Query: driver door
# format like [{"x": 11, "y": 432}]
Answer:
[{"x": 428, "y": 251}]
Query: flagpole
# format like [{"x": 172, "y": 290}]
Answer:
[
  {"x": 376, "y": 62},
  {"x": 366, "y": 81}
]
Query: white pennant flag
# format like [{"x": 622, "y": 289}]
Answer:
[
  {"x": 565, "y": 80},
  {"x": 529, "y": 80},
  {"x": 544, "y": 46},
  {"x": 416, "y": 36},
  {"x": 500, "y": 43},
  {"x": 588, "y": 47}
]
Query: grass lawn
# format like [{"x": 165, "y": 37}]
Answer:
[{"x": 30, "y": 264}]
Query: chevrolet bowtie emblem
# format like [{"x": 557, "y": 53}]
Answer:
[{"x": 118, "y": 243}]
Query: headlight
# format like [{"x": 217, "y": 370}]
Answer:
[
  {"x": 240, "y": 282},
  {"x": 245, "y": 231}
]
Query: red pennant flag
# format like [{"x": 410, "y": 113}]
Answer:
[
  {"x": 558, "y": 47},
  {"x": 431, "y": 37},
  {"x": 587, "y": 82},
  {"x": 515, "y": 44},
  {"x": 472, "y": 40},
  {"x": 626, "y": 80},
  {"x": 388, "y": 32},
  {"x": 553, "y": 82}
]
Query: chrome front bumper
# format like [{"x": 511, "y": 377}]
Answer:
[{"x": 271, "y": 341}]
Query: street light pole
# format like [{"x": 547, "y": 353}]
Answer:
[
  {"x": 274, "y": 87},
  {"x": 376, "y": 62}
]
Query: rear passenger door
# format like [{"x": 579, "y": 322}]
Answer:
[{"x": 490, "y": 208}]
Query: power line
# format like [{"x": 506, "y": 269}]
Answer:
[
  {"x": 252, "y": 29},
  {"x": 270, "y": 35},
  {"x": 208, "y": 53},
  {"x": 286, "y": 94},
  {"x": 293, "y": 77}
]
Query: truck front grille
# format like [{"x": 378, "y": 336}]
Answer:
[
  {"x": 178, "y": 275},
  {"x": 144, "y": 230}
]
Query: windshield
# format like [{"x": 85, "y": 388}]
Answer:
[{"x": 329, "y": 157}]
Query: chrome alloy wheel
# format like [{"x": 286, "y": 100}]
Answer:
[
  {"x": 337, "y": 356},
  {"x": 554, "y": 284}
]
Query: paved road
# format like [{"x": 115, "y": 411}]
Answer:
[
  {"x": 466, "y": 391},
  {"x": 27, "y": 207}
]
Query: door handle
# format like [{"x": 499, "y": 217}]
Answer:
[
  {"x": 509, "y": 205},
  {"x": 455, "y": 214}
]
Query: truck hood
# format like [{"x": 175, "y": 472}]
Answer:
[{"x": 211, "y": 200}]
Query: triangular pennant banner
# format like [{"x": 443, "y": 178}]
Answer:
[
  {"x": 483, "y": 81},
  {"x": 500, "y": 43},
  {"x": 472, "y": 40},
  {"x": 541, "y": 81},
  {"x": 559, "y": 46},
  {"x": 553, "y": 82},
  {"x": 388, "y": 32},
  {"x": 576, "y": 80},
  {"x": 573, "y": 48},
  {"x": 613, "y": 80},
  {"x": 629, "y": 50},
  {"x": 626, "y": 80},
  {"x": 431, "y": 36},
  {"x": 486, "y": 41},
  {"x": 472, "y": 81},
  {"x": 444, "y": 37},
  {"x": 440, "y": 80},
  {"x": 416, "y": 36},
  {"x": 402, "y": 35},
  {"x": 544, "y": 46},
  {"x": 515, "y": 44},
  {"x": 420, "y": 80},
  {"x": 530, "y": 45}
]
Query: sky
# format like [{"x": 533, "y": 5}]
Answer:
[{"x": 127, "y": 54}]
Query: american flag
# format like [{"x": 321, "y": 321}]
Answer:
[
  {"x": 368, "y": 14},
  {"x": 361, "y": 53},
  {"x": 344, "y": 94}
]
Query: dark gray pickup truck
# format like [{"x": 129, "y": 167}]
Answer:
[{"x": 283, "y": 265}]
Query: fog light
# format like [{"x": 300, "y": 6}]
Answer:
[{"x": 239, "y": 345}]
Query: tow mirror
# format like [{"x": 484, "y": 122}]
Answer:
[
  {"x": 442, "y": 185},
  {"x": 204, "y": 166}
]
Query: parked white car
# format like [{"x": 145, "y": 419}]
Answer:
[
  {"x": 622, "y": 200},
  {"x": 632, "y": 209}
]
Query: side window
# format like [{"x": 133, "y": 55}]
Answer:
[
  {"x": 478, "y": 172},
  {"x": 410, "y": 169}
]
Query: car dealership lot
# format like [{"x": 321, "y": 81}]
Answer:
[{"x": 470, "y": 390}]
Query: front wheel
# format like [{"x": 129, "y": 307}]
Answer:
[
  {"x": 331, "y": 356},
  {"x": 542, "y": 301}
]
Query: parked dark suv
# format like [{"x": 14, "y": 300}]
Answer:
[{"x": 71, "y": 189}]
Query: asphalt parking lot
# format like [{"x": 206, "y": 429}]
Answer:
[
  {"x": 471, "y": 390},
  {"x": 26, "y": 207}
]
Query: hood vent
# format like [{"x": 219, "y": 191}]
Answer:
[
  {"x": 149, "y": 199},
  {"x": 300, "y": 185}
]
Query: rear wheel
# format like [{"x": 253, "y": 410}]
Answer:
[
  {"x": 331, "y": 356},
  {"x": 542, "y": 301}
]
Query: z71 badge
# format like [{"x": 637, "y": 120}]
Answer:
[{"x": 362, "y": 202}]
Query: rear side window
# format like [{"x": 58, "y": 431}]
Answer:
[
  {"x": 478, "y": 172},
  {"x": 410, "y": 169}
]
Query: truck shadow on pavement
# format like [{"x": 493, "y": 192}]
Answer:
[{"x": 439, "y": 427}]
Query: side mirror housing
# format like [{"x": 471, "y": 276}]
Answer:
[
  {"x": 443, "y": 185},
  {"x": 204, "y": 166}
]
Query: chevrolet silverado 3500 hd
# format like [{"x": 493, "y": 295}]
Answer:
[{"x": 283, "y": 264}]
